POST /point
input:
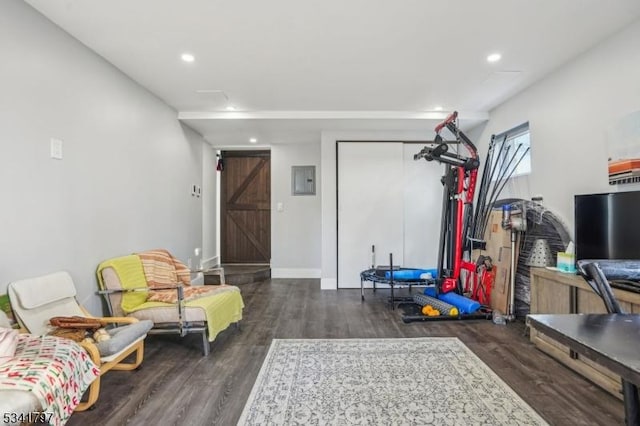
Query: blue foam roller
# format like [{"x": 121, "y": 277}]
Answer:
[
  {"x": 430, "y": 291},
  {"x": 410, "y": 274},
  {"x": 464, "y": 304}
]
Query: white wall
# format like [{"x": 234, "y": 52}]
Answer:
[
  {"x": 295, "y": 231},
  {"x": 570, "y": 113},
  {"x": 124, "y": 183},
  {"x": 209, "y": 206}
]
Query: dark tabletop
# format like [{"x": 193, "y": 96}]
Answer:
[{"x": 612, "y": 340}]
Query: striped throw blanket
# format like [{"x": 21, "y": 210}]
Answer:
[{"x": 161, "y": 269}]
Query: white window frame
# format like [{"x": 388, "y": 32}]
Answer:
[{"x": 519, "y": 139}]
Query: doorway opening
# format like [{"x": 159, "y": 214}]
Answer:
[{"x": 245, "y": 208}]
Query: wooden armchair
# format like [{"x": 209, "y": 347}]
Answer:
[{"x": 35, "y": 300}]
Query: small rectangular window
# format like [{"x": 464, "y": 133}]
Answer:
[{"x": 512, "y": 151}]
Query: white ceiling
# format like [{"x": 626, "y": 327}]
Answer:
[{"x": 295, "y": 67}]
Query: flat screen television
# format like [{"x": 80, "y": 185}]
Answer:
[{"x": 607, "y": 226}]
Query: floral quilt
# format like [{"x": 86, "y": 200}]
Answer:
[{"x": 57, "y": 371}]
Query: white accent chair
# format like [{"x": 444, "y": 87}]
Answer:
[{"x": 35, "y": 300}]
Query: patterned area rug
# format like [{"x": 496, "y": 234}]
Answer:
[{"x": 422, "y": 381}]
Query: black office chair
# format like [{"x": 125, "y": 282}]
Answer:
[{"x": 598, "y": 273}]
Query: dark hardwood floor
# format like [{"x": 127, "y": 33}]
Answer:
[{"x": 176, "y": 385}]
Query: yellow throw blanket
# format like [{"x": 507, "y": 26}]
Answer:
[{"x": 131, "y": 275}]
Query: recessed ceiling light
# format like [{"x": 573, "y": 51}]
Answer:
[
  {"x": 188, "y": 57},
  {"x": 494, "y": 57},
  {"x": 231, "y": 108},
  {"x": 438, "y": 108},
  {"x": 253, "y": 140}
]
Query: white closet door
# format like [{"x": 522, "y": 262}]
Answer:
[
  {"x": 370, "y": 207},
  {"x": 422, "y": 209}
]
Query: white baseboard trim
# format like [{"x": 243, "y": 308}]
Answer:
[
  {"x": 350, "y": 286},
  {"x": 328, "y": 283},
  {"x": 295, "y": 273},
  {"x": 210, "y": 262},
  {"x": 198, "y": 280}
]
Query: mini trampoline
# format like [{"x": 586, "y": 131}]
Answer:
[{"x": 394, "y": 277}]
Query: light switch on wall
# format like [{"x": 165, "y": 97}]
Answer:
[
  {"x": 279, "y": 206},
  {"x": 56, "y": 149}
]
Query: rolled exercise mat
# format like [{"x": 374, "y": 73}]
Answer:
[
  {"x": 411, "y": 274},
  {"x": 464, "y": 304},
  {"x": 442, "y": 307}
]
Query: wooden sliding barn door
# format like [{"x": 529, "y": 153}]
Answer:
[{"x": 246, "y": 207}]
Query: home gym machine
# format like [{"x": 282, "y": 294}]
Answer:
[{"x": 459, "y": 184}]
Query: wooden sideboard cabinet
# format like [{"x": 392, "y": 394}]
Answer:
[{"x": 555, "y": 292}]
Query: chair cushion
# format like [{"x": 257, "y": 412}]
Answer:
[
  {"x": 162, "y": 313},
  {"x": 40, "y": 291},
  {"x": 35, "y": 300},
  {"x": 218, "y": 310},
  {"x": 121, "y": 337}
]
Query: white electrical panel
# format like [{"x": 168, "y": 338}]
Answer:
[{"x": 303, "y": 180}]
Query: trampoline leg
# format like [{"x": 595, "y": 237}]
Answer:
[
  {"x": 361, "y": 289},
  {"x": 393, "y": 300}
]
